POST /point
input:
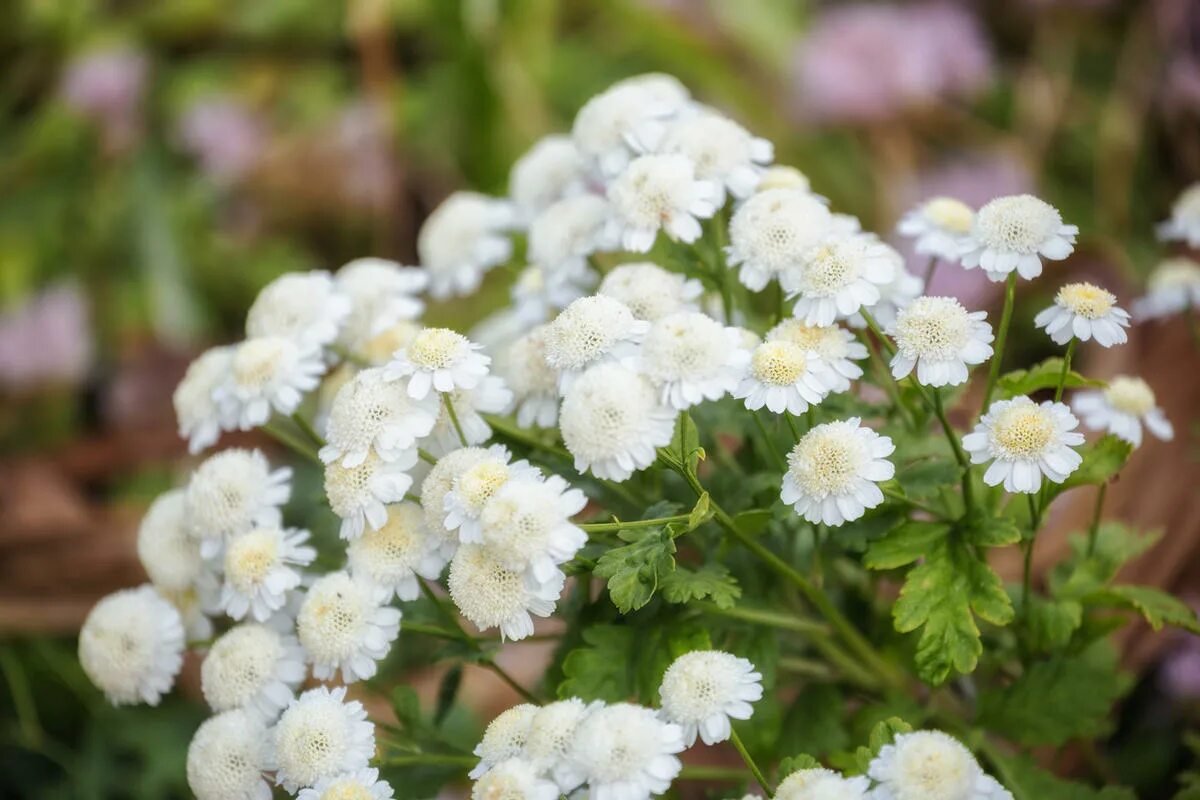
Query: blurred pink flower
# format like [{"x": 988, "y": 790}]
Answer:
[
  {"x": 46, "y": 340},
  {"x": 107, "y": 86},
  {"x": 871, "y": 61},
  {"x": 361, "y": 137},
  {"x": 1180, "y": 673},
  {"x": 227, "y": 137}
]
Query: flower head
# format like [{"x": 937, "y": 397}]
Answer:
[
  {"x": 549, "y": 171},
  {"x": 703, "y": 690},
  {"x": 939, "y": 227},
  {"x": 534, "y": 383},
  {"x": 304, "y": 307},
  {"x": 261, "y": 566},
  {"x": 462, "y": 239},
  {"x": 267, "y": 373},
  {"x": 563, "y": 235},
  {"x": 131, "y": 646},
  {"x": 343, "y": 625},
  {"x": 551, "y": 734},
  {"x": 513, "y": 779},
  {"x": 1184, "y": 224},
  {"x": 475, "y": 485},
  {"x": 723, "y": 151},
  {"x": 363, "y": 784},
  {"x": 1174, "y": 287},
  {"x": 770, "y": 233},
  {"x": 230, "y": 493},
  {"x": 254, "y": 667},
  {"x": 1025, "y": 441},
  {"x": 822, "y": 784},
  {"x": 1015, "y": 233},
  {"x": 833, "y": 471},
  {"x": 625, "y": 119},
  {"x": 1122, "y": 409},
  {"x": 540, "y": 292},
  {"x": 690, "y": 358},
  {"x": 649, "y": 291},
  {"x": 227, "y": 757},
  {"x": 504, "y": 737},
  {"x": 382, "y": 293},
  {"x": 437, "y": 485},
  {"x": 527, "y": 525},
  {"x": 371, "y": 413},
  {"x": 660, "y": 192},
  {"x": 1084, "y": 311},
  {"x": 592, "y": 330},
  {"x": 321, "y": 735},
  {"x": 836, "y": 346},
  {"x": 438, "y": 358},
  {"x": 492, "y": 596},
  {"x": 930, "y": 765},
  {"x": 783, "y": 376},
  {"x": 838, "y": 277},
  {"x": 626, "y": 751},
  {"x": 940, "y": 338},
  {"x": 197, "y": 411},
  {"x": 393, "y": 557},
  {"x": 165, "y": 547},
  {"x": 360, "y": 494}
]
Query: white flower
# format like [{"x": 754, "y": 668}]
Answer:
[
  {"x": 320, "y": 735},
  {"x": 504, "y": 738},
  {"x": 131, "y": 646},
  {"x": 592, "y": 330},
  {"x": 1084, "y": 311},
  {"x": 770, "y": 233},
  {"x": 930, "y": 765},
  {"x": 660, "y": 192},
  {"x": 540, "y": 292},
  {"x": 565, "y": 234},
  {"x": 197, "y": 411},
  {"x": 195, "y": 603},
  {"x": 231, "y": 492},
  {"x": 626, "y": 752},
  {"x": 627, "y": 118},
  {"x": 549, "y": 171},
  {"x": 491, "y": 596},
  {"x": 393, "y": 557},
  {"x": 612, "y": 422},
  {"x": 690, "y": 358},
  {"x": 1017, "y": 232},
  {"x": 836, "y": 346},
  {"x": 438, "y": 358},
  {"x": 437, "y": 485},
  {"x": 378, "y": 349},
  {"x": 940, "y": 338},
  {"x": 1174, "y": 287},
  {"x": 476, "y": 484},
  {"x": 822, "y": 784},
  {"x": 838, "y": 277},
  {"x": 168, "y": 552},
  {"x": 254, "y": 667},
  {"x": 360, "y": 494},
  {"x": 343, "y": 625},
  {"x": 833, "y": 471},
  {"x": 261, "y": 566},
  {"x": 941, "y": 227},
  {"x": 898, "y": 293},
  {"x": 371, "y": 412},
  {"x": 534, "y": 383},
  {"x": 363, "y": 784},
  {"x": 1184, "y": 224},
  {"x": 1024, "y": 441},
  {"x": 462, "y": 239},
  {"x": 227, "y": 757},
  {"x": 723, "y": 151},
  {"x": 780, "y": 176},
  {"x": 527, "y": 525},
  {"x": 302, "y": 306},
  {"x": 650, "y": 291},
  {"x": 551, "y": 734},
  {"x": 491, "y": 396},
  {"x": 703, "y": 690},
  {"x": 382, "y": 293},
  {"x": 265, "y": 373},
  {"x": 1122, "y": 408},
  {"x": 513, "y": 780},
  {"x": 783, "y": 376}
]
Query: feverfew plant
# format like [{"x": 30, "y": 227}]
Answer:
[{"x": 719, "y": 452}]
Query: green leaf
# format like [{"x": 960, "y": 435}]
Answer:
[
  {"x": 635, "y": 570},
  {"x": 602, "y": 668},
  {"x": 407, "y": 707},
  {"x": 1042, "y": 376},
  {"x": 992, "y": 531},
  {"x": 684, "y": 451},
  {"x": 1157, "y": 607},
  {"x": 700, "y": 513},
  {"x": 1052, "y": 623},
  {"x": 927, "y": 478},
  {"x": 796, "y": 763},
  {"x": 904, "y": 544},
  {"x": 814, "y": 723},
  {"x": 712, "y": 581},
  {"x": 1065, "y": 697},
  {"x": 1022, "y": 776},
  {"x": 943, "y": 596},
  {"x": 1085, "y": 573},
  {"x": 856, "y": 536},
  {"x": 882, "y": 735},
  {"x": 447, "y": 692},
  {"x": 1101, "y": 460}
]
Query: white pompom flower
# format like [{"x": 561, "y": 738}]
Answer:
[
  {"x": 625, "y": 119},
  {"x": 1174, "y": 287},
  {"x": 321, "y": 735},
  {"x": 1024, "y": 441},
  {"x": 231, "y": 492},
  {"x": 261, "y": 566},
  {"x": 612, "y": 422},
  {"x": 1015, "y": 233},
  {"x": 838, "y": 277},
  {"x": 625, "y": 752},
  {"x": 302, "y": 306},
  {"x": 360, "y": 495},
  {"x": 491, "y": 596},
  {"x": 940, "y": 338},
  {"x": 363, "y": 784},
  {"x": 504, "y": 738},
  {"x": 930, "y": 765},
  {"x": 649, "y": 291},
  {"x": 131, "y": 646},
  {"x": 1184, "y": 224},
  {"x": 534, "y": 383},
  {"x": 371, "y": 413},
  {"x": 343, "y": 625},
  {"x": 549, "y": 171},
  {"x": 939, "y": 227},
  {"x": 783, "y": 376},
  {"x": 437, "y": 485},
  {"x": 540, "y": 292},
  {"x": 395, "y": 556},
  {"x": 527, "y": 525},
  {"x": 1122, "y": 409},
  {"x": 267, "y": 373},
  {"x": 834, "y": 471},
  {"x": 491, "y": 396},
  {"x": 703, "y": 690},
  {"x": 822, "y": 784},
  {"x": 514, "y": 779},
  {"x": 382, "y": 293},
  {"x": 255, "y": 667},
  {"x": 438, "y": 359},
  {"x": 723, "y": 151},
  {"x": 565, "y": 234},
  {"x": 1084, "y": 311},
  {"x": 461, "y": 240},
  {"x": 551, "y": 735},
  {"x": 196, "y": 409},
  {"x": 592, "y": 330},
  {"x": 227, "y": 758},
  {"x": 165, "y": 546},
  {"x": 475, "y": 485},
  {"x": 690, "y": 358},
  {"x": 770, "y": 233},
  {"x": 836, "y": 346},
  {"x": 660, "y": 192}
]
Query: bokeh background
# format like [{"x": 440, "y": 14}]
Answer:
[{"x": 161, "y": 161}]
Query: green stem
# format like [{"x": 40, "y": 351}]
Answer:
[
  {"x": 930, "y": 268},
  {"x": 292, "y": 442},
  {"x": 431, "y": 630},
  {"x": 1035, "y": 522},
  {"x": 612, "y": 527},
  {"x": 430, "y": 760},
  {"x": 779, "y": 306},
  {"x": 1066, "y": 368},
  {"x": 746, "y": 757},
  {"x": 1094, "y": 528},
  {"x": 1010, "y": 293},
  {"x": 512, "y": 683},
  {"x": 711, "y": 773},
  {"x": 891, "y": 494},
  {"x": 770, "y": 619},
  {"x": 791, "y": 421},
  {"x": 960, "y": 455},
  {"x": 770, "y": 443},
  {"x": 426, "y": 456},
  {"x": 308, "y": 430},
  {"x": 890, "y": 384},
  {"x": 462, "y": 437}
]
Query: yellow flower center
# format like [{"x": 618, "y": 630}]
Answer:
[
  {"x": 779, "y": 363},
  {"x": 1023, "y": 431},
  {"x": 1086, "y": 300},
  {"x": 481, "y": 481},
  {"x": 249, "y": 558},
  {"x": 346, "y": 790},
  {"x": 380, "y": 348},
  {"x": 950, "y": 214},
  {"x": 1130, "y": 395},
  {"x": 257, "y": 361},
  {"x": 436, "y": 348}
]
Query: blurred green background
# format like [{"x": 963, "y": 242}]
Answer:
[{"x": 161, "y": 161}]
